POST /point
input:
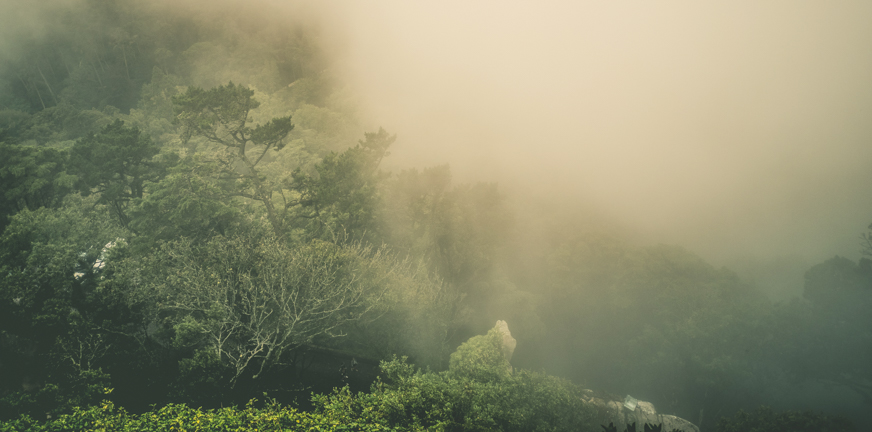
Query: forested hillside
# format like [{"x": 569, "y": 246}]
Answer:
[{"x": 192, "y": 212}]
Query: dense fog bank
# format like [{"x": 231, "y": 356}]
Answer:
[{"x": 730, "y": 129}]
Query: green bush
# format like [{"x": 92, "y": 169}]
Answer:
[
  {"x": 107, "y": 417},
  {"x": 478, "y": 393},
  {"x": 481, "y": 358}
]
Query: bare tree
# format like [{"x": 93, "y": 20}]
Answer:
[{"x": 249, "y": 303}]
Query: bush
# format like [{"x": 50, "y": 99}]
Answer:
[
  {"x": 481, "y": 358},
  {"x": 272, "y": 417},
  {"x": 477, "y": 393}
]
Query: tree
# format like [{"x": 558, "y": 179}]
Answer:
[
  {"x": 116, "y": 163},
  {"x": 13, "y": 125},
  {"x": 221, "y": 116},
  {"x": 187, "y": 202},
  {"x": 56, "y": 322},
  {"x": 248, "y": 301},
  {"x": 31, "y": 177},
  {"x": 341, "y": 197}
]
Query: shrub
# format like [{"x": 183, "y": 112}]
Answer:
[
  {"x": 107, "y": 417},
  {"x": 478, "y": 393}
]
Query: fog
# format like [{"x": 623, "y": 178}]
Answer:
[
  {"x": 739, "y": 131},
  {"x": 734, "y": 130}
]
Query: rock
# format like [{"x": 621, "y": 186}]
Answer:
[
  {"x": 613, "y": 410},
  {"x": 509, "y": 342},
  {"x": 647, "y": 407}
]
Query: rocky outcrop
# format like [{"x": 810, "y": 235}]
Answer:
[{"x": 629, "y": 411}]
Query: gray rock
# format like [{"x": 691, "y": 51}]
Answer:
[{"x": 613, "y": 410}]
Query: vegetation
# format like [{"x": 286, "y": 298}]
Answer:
[
  {"x": 191, "y": 211},
  {"x": 470, "y": 396},
  {"x": 272, "y": 417}
]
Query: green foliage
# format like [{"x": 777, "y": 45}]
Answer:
[
  {"x": 101, "y": 53},
  {"x": 45, "y": 248},
  {"x": 90, "y": 57},
  {"x": 31, "y": 177},
  {"x": 155, "y": 100},
  {"x": 65, "y": 122},
  {"x": 116, "y": 163},
  {"x": 764, "y": 419},
  {"x": 479, "y": 392},
  {"x": 13, "y": 125},
  {"x": 414, "y": 400},
  {"x": 221, "y": 116},
  {"x": 180, "y": 417},
  {"x": 56, "y": 321},
  {"x": 341, "y": 198},
  {"x": 187, "y": 202},
  {"x": 480, "y": 358}
]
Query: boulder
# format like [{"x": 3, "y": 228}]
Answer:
[{"x": 611, "y": 409}]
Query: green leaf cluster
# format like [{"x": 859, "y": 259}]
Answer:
[{"x": 180, "y": 417}]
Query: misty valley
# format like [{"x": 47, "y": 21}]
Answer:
[{"x": 201, "y": 228}]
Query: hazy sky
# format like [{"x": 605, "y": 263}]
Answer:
[{"x": 737, "y": 128}]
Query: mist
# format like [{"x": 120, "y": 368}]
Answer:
[
  {"x": 735, "y": 130},
  {"x": 663, "y": 201},
  {"x": 738, "y": 131}
]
